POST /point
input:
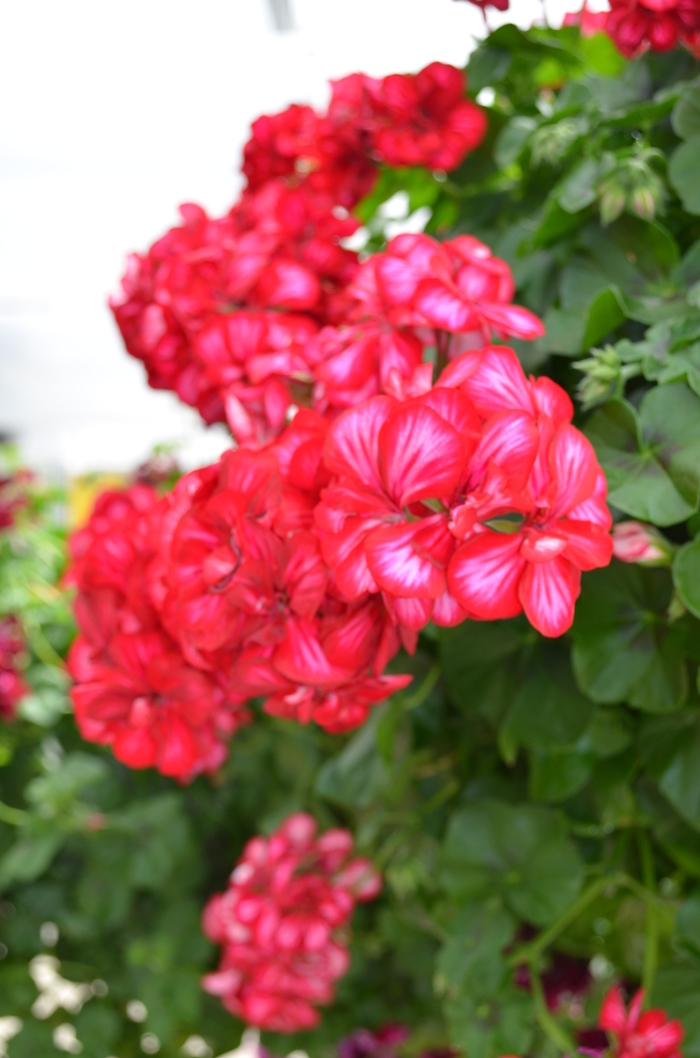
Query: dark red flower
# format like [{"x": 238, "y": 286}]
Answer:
[
  {"x": 425, "y": 119},
  {"x": 12, "y": 685},
  {"x": 639, "y": 1035},
  {"x": 638, "y": 25},
  {"x": 283, "y": 922},
  {"x": 133, "y": 688}
]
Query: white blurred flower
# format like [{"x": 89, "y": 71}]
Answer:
[
  {"x": 136, "y": 1010},
  {"x": 196, "y": 1047},
  {"x": 249, "y": 1047},
  {"x": 9, "y": 1027},
  {"x": 64, "y": 1039},
  {"x": 55, "y": 991}
]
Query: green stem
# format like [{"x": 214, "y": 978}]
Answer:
[
  {"x": 43, "y": 649},
  {"x": 651, "y": 927},
  {"x": 14, "y": 816},
  {"x": 422, "y": 692},
  {"x": 532, "y": 952},
  {"x": 549, "y": 1026}
]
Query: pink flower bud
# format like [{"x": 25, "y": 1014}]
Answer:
[{"x": 641, "y": 544}]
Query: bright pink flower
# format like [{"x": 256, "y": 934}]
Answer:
[
  {"x": 278, "y": 249},
  {"x": 283, "y": 924},
  {"x": 425, "y": 119},
  {"x": 239, "y": 570},
  {"x": 535, "y": 565},
  {"x": 458, "y": 289},
  {"x": 134, "y": 690},
  {"x": 409, "y": 481},
  {"x": 637, "y": 25},
  {"x": 258, "y": 364},
  {"x": 141, "y": 698},
  {"x": 641, "y": 544},
  {"x": 12, "y": 685},
  {"x": 351, "y": 364},
  {"x": 639, "y": 1035}
]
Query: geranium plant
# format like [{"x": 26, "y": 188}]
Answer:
[{"x": 427, "y": 638}]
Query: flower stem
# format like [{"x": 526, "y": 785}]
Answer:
[
  {"x": 547, "y": 1023},
  {"x": 14, "y": 816},
  {"x": 651, "y": 926},
  {"x": 422, "y": 692}
]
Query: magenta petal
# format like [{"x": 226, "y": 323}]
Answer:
[
  {"x": 440, "y": 307},
  {"x": 421, "y": 455},
  {"x": 400, "y": 567},
  {"x": 484, "y": 574},
  {"x": 548, "y": 592},
  {"x": 352, "y": 445}
]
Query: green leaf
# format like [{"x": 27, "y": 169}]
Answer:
[
  {"x": 549, "y": 712},
  {"x": 473, "y": 656},
  {"x": 624, "y": 649},
  {"x": 29, "y": 857},
  {"x": 677, "y": 991},
  {"x": 355, "y": 775},
  {"x": 512, "y": 139},
  {"x": 580, "y": 188},
  {"x": 686, "y": 574},
  {"x": 471, "y": 963},
  {"x": 487, "y": 66},
  {"x": 520, "y": 852},
  {"x": 556, "y": 775},
  {"x": 651, "y": 458},
  {"x": 604, "y": 314},
  {"x": 687, "y": 928},
  {"x": 488, "y": 1028},
  {"x": 61, "y": 786},
  {"x": 683, "y": 173},
  {"x": 686, "y": 113},
  {"x": 680, "y": 781}
]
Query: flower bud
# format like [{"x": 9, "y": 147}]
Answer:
[{"x": 641, "y": 544}]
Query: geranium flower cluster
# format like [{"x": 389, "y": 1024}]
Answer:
[
  {"x": 12, "y": 686},
  {"x": 295, "y": 572},
  {"x": 226, "y": 312},
  {"x": 134, "y": 689},
  {"x": 283, "y": 924},
  {"x": 635, "y": 26}
]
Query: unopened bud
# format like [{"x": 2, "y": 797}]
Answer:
[
  {"x": 641, "y": 544},
  {"x": 643, "y": 203},
  {"x": 612, "y": 201}
]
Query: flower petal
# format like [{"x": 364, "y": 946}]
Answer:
[
  {"x": 405, "y": 566},
  {"x": 573, "y": 468},
  {"x": 351, "y": 448},
  {"x": 440, "y": 307},
  {"x": 548, "y": 593},
  {"x": 484, "y": 573},
  {"x": 421, "y": 456}
]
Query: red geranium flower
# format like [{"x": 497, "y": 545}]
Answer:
[
  {"x": 283, "y": 924},
  {"x": 639, "y": 1035},
  {"x": 425, "y": 119},
  {"x": 134, "y": 689},
  {"x": 12, "y": 686},
  {"x": 637, "y": 25}
]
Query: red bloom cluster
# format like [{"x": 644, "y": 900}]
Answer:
[
  {"x": 477, "y": 499},
  {"x": 134, "y": 689},
  {"x": 639, "y": 1035},
  {"x": 637, "y": 25},
  {"x": 241, "y": 582},
  {"x": 225, "y": 311},
  {"x": 283, "y": 924},
  {"x": 12, "y": 686}
]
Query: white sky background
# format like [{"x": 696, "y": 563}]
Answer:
[{"x": 111, "y": 113}]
